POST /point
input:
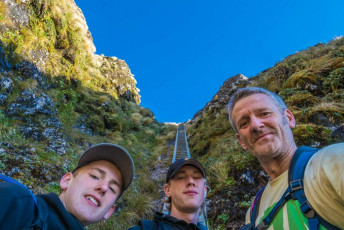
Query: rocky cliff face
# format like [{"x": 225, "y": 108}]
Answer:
[
  {"x": 57, "y": 98},
  {"x": 54, "y": 37},
  {"x": 310, "y": 82}
]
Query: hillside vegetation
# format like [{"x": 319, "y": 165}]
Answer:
[
  {"x": 312, "y": 84},
  {"x": 57, "y": 98}
]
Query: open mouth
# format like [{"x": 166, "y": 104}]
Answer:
[{"x": 93, "y": 200}]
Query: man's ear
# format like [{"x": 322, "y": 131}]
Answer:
[
  {"x": 66, "y": 180},
  {"x": 205, "y": 191},
  {"x": 290, "y": 118},
  {"x": 167, "y": 189},
  {"x": 109, "y": 212},
  {"x": 241, "y": 141}
]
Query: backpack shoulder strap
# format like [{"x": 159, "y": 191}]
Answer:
[
  {"x": 295, "y": 179},
  {"x": 254, "y": 211},
  {"x": 13, "y": 181},
  {"x": 148, "y": 225},
  {"x": 40, "y": 206},
  {"x": 255, "y": 205}
]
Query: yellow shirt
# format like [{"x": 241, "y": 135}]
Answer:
[{"x": 324, "y": 189}]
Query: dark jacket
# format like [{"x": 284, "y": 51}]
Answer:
[
  {"x": 58, "y": 217},
  {"x": 167, "y": 222},
  {"x": 18, "y": 211}
]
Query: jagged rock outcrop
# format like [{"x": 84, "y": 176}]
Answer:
[
  {"x": 221, "y": 98},
  {"x": 56, "y": 40}
]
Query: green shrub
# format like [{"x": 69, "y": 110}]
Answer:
[{"x": 335, "y": 81}]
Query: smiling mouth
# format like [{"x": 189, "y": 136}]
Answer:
[
  {"x": 262, "y": 136},
  {"x": 94, "y": 201}
]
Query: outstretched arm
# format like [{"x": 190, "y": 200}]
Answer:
[{"x": 324, "y": 183}]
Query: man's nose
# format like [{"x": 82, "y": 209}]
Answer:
[
  {"x": 102, "y": 187},
  {"x": 190, "y": 180},
  {"x": 256, "y": 123}
]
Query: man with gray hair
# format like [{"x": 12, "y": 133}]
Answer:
[{"x": 306, "y": 185}]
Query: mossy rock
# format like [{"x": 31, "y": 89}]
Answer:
[
  {"x": 338, "y": 52},
  {"x": 335, "y": 81},
  {"x": 303, "y": 100},
  {"x": 312, "y": 135},
  {"x": 96, "y": 123},
  {"x": 326, "y": 114},
  {"x": 146, "y": 112},
  {"x": 40, "y": 7},
  {"x": 111, "y": 122},
  {"x": 304, "y": 79},
  {"x": 337, "y": 96}
]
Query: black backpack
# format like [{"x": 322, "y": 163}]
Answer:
[
  {"x": 294, "y": 191},
  {"x": 40, "y": 206}
]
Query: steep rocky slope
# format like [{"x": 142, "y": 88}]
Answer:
[
  {"x": 312, "y": 84},
  {"x": 57, "y": 98}
]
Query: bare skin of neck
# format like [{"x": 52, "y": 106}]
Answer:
[
  {"x": 275, "y": 166},
  {"x": 187, "y": 217}
]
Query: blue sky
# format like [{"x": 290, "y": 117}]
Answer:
[{"x": 182, "y": 51}]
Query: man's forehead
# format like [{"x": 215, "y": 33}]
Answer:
[{"x": 256, "y": 101}]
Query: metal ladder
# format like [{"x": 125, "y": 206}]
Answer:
[{"x": 181, "y": 150}]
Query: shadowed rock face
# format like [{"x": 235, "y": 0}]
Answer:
[
  {"x": 221, "y": 98},
  {"x": 338, "y": 134}
]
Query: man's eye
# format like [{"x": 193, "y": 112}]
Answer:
[
  {"x": 180, "y": 178},
  {"x": 94, "y": 177},
  {"x": 264, "y": 114},
  {"x": 113, "y": 190},
  {"x": 243, "y": 124}
]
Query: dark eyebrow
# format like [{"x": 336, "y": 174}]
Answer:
[{"x": 103, "y": 173}]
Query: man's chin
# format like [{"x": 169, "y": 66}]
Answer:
[{"x": 89, "y": 219}]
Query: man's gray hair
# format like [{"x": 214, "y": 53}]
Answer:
[{"x": 244, "y": 92}]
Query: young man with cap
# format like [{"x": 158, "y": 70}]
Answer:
[
  {"x": 186, "y": 190},
  {"x": 88, "y": 194}
]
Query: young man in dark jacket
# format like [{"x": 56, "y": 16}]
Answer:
[
  {"x": 88, "y": 194},
  {"x": 186, "y": 190}
]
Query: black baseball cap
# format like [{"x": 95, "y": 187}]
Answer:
[
  {"x": 113, "y": 153},
  {"x": 174, "y": 168}
]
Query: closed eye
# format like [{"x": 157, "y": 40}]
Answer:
[
  {"x": 94, "y": 177},
  {"x": 113, "y": 190}
]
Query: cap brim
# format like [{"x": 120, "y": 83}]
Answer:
[
  {"x": 191, "y": 162},
  {"x": 116, "y": 155}
]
